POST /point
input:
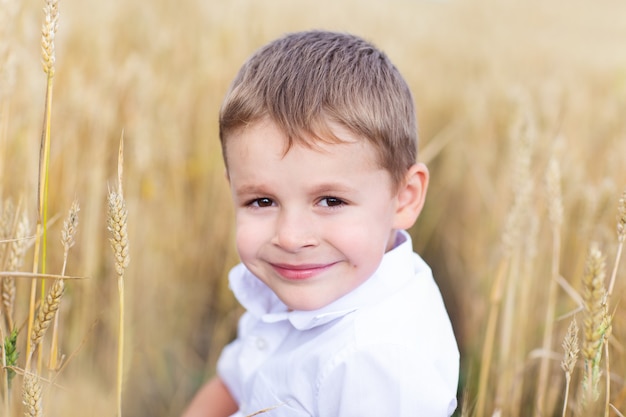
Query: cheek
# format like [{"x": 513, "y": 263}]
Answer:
[
  {"x": 363, "y": 246},
  {"x": 249, "y": 236},
  {"x": 365, "y": 232}
]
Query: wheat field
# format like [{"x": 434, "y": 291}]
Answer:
[{"x": 522, "y": 114}]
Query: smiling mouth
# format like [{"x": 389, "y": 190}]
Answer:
[{"x": 300, "y": 272}]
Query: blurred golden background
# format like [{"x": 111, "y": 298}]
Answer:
[{"x": 501, "y": 88}]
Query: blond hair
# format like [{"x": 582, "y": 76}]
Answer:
[{"x": 304, "y": 81}]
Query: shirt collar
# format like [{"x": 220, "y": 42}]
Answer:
[{"x": 396, "y": 268}]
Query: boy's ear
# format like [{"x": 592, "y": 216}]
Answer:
[{"x": 411, "y": 196}]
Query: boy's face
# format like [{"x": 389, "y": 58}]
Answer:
[{"x": 312, "y": 224}]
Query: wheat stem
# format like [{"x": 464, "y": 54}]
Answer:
[
  {"x": 117, "y": 225},
  {"x": 490, "y": 333},
  {"x": 555, "y": 211},
  {"x": 621, "y": 237},
  {"x": 608, "y": 379},
  {"x": 570, "y": 347},
  {"x": 5, "y": 385},
  {"x": 33, "y": 297},
  {"x": 616, "y": 410},
  {"x": 32, "y": 275},
  {"x": 263, "y": 411},
  {"x": 49, "y": 29},
  {"x": 568, "y": 380}
]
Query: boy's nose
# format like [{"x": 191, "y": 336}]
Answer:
[{"x": 294, "y": 231}]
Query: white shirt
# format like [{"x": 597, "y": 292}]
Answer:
[{"x": 384, "y": 349}]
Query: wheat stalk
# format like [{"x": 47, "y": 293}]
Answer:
[
  {"x": 31, "y": 275},
  {"x": 48, "y": 34},
  {"x": 117, "y": 225},
  {"x": 571, "y": 348},
  {"x": 263, "y": 411},
  {"x": 31, "y": 396},
  {"x": 555, "y": 213},
  {"x": 502, "y": 289},
  {"x": 518, "y": 222},
  {"x": 495, "y": 302},
  {"x": 607, "y": 325},
  {"x": 617, "y": 412},
  {"x": 621, "y": 237},
  {"x": 8, "y": 300}
]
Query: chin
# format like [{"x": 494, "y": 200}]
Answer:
[
  {"x": 305, "y": 306},
  {"x": 307, "y": 303}
]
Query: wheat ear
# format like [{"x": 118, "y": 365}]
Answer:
[
  {"x": 117, "y": 225},
  {"x": 15, "y": 259},
  {"x": 594, "y": 322},
  {"x": 621, "y": 237},
  {"x": 48, "y": 33},
  {"x": 31, "y": 396},
  {"x": 6, "y": 218},
  {"x": 70, "y": 226},
  {"x": 570, "y": 346},
  {"x": 46, "y": 314},
  {"x": 9, "y": 360}
]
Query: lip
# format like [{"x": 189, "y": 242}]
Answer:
[{"x": 301, "y": 272}]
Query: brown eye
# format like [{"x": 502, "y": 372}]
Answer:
[
  {"x": 331, "y": 202},
  {"x": 262, "y": 202}
]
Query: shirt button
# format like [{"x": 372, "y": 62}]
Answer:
[{"x": 261, "y": 343}]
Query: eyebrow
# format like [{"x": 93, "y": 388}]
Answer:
[
  {"x": 251, "y": 189},
  {"x": 331, "y": 187},
  {"x": 323, "y": 188}
]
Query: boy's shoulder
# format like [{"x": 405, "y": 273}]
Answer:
[
  {"x": 409, "y": 319},
  {"x": 404, "y": 341},
  {"x": 414, "y": 316}
]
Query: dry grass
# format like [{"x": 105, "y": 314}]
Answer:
[{"x": 505, "y": 91}]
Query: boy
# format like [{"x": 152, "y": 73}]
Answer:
[{"x": 319, "y": 139}]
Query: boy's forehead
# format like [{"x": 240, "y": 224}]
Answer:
[
  {"x": 325, "y": 140},
  {"x": 315, "y": 137},
  {"x": 257, "y": 157}
]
